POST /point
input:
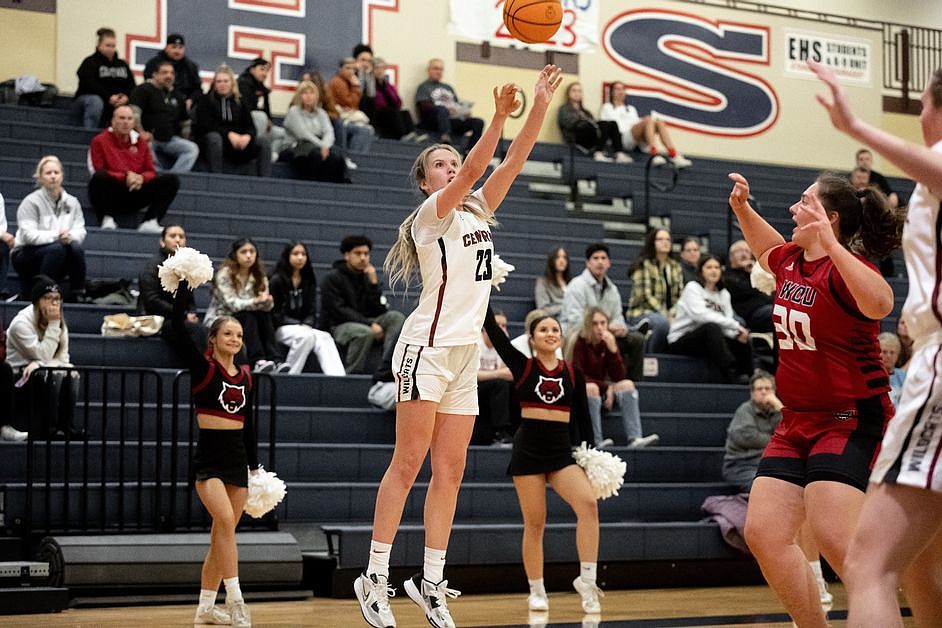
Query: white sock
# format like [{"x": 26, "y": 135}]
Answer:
[
  {"x": 816, "y": 569},
  {"x": 207, "y": 598},
  {"x": 434, "y": 568},
  {"x": 537, "y": 587},
  {"x": 233, "y": 591},
  {"x": 587, "y": 572},
  {"x": 379, "y": 559}
]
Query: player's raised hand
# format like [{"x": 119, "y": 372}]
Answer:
[
  {"x": 739, "y": 195},
  {"x": 837, "y": 106},
  {"x": 812, "y": 224},
  {"x": 550, "y": 78},
  {"x": 505, "y": 99}
]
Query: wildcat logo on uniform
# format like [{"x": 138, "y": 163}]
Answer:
[
  {"x": 549, "y": 389},
  {"x": 232, "y": 398}
]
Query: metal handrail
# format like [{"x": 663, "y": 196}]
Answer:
[{"x": 110, "y": 492}]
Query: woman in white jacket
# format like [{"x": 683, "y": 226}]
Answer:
[
  {"x": 38, "y": 337},
  {"x": 638, "y": 131},
  {"x": 50, "y": 231},
  {"x": 704, "y": 325}
]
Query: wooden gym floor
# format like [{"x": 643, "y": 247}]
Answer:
[{"x": 647, "y": 608}]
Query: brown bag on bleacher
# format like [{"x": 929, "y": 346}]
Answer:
[{"x": 126, "y": 326}]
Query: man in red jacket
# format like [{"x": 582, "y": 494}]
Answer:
[{"x": 124, "y": 178}]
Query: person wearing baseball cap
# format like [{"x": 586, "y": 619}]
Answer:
[
  {"x": 39, "y": 337},
  {"x": 187, "y": 74}
]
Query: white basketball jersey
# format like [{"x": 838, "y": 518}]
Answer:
[
  {"x": 455, "y": 262},
  {"x": 921, "y": 246}
]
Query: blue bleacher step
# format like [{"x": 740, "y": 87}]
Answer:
[
  {"x": 334, "y": 462},
  {"x": 486, "y": 543},
  {"x": 341, "y": 502}
]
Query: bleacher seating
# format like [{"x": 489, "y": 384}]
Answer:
[{"x": 332, "y": 446}]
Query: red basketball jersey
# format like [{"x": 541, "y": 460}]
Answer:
[{"x": 829, "y": 355}]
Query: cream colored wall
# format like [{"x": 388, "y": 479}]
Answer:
[
  {"x": 27, "y": 44},
  {"x": 79, "y": 19},
  {"x": 904, "y": 126}
]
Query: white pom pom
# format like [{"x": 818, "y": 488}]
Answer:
[
  {"x": 500, "y": 270},
  {"x": 761, "y": 280},
  {"x": 606, "y": 471},
  {"x": 266, "y": 490},
  {"x": 186, "y": 264}
]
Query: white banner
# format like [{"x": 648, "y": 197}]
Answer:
[
  {"x": 483, "y": 20},
  {"x": 850, "y": 57}
]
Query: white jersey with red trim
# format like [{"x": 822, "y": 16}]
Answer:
[
  {"x": 922, "y": 247},
  {"x": 456, "y": 264}
]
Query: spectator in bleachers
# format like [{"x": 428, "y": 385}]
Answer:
[
  {"x": 864, "y": 159},
  {"x": 313, "y": 153},
  {"x": 50, "y": 231},
  {"x": 7, "y": 242},
  {"x": 690, "y": 258},
  {"x": 294, "y": 291},
  {"x": 705, "y": 325},
  {"x": 345, "y": 90},
  {"x": 124, "y": 178},
  {"x": 7, "y": 430},
  {"x": 890, "y": 347},
  {"x": 160, "y": 112},
  {"x": 596, "y": 354},
  {"x": 353, "y": 306},
  {"x": 750, "y": 430},
  {"x": 255, "y": 94},
  {"x": 38, "y": 336},
  {"x": 441, "y": 111},
  {"x": 638, "y": 131},
  {"x": 551, "y": 285},
  {"x": 594, "y": 287},
  {"x": 105, "y": 82},
  {"x": 186, "y": 74},
  {"x": 495, "y": 386},
  {"x": 240, "y": 290},
  {"x": 389, "y": 118},
  {"x": 752, "y": 305},
  {"x": 153, "y": 299},
  {"x": 224, "y": 128},
  {"x": 579, "y": 127},
  {"x": 363, "y": 57},
  {"x": 657, "y": 280},
  {"x": 860, "y": 178}
]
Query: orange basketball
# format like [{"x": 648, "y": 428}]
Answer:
[{"x": 533, "y": 21}]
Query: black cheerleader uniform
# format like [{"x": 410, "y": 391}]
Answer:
[
  {"x": 542, "y": 446},
  {"x": 223, "y": 454}
]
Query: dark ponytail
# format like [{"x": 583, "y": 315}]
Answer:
[{"x": 868, "y": 224}]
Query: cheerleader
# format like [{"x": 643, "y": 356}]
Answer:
[
  {"x": 447, "y": 239},
  {"x": 554, "y": 417},
  {"x": 227, "y": 447}
]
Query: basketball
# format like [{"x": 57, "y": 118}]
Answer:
[{"x": 533, "y": 21}]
